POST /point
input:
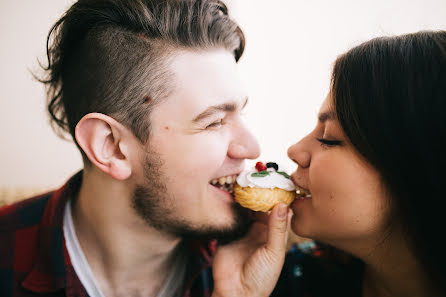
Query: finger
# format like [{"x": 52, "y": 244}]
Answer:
[
  {"x": 278, "y": 227},
  {"x": 289, "y": 218}
]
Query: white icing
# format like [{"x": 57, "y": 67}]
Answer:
[{"x": 271, "y": 181}]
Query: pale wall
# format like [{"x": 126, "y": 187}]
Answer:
[{"x": 291, "y": 45}]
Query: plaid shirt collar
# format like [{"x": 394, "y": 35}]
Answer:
[{"x": 53, "y": 271}]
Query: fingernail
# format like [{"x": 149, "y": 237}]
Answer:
[{"x": 282, "y": 212}]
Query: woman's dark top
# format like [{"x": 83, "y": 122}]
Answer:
[{"x": 312, "y": 270}]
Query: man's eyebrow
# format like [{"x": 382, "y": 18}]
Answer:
[
  {"x": 328, "y": 115},
  {"x": 211, "y": 110}
]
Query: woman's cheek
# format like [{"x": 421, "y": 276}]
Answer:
[{"x": 325, "y": 176}]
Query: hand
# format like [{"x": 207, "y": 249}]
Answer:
[{"x": 252, "y": 265}]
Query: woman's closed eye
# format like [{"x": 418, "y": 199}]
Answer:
[{"x": 328, "y": 142}]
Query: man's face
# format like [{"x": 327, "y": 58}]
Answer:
[{"x": 197, "y": 136}]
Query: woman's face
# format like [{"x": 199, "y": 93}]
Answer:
[{"x": 348, "y": 202}]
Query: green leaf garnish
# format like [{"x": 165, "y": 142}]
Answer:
[
  {"x": 260, "y": 174},
  {"x": 284, "y": 174}
]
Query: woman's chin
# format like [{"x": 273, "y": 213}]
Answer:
[{"x": 299, "y": 228}]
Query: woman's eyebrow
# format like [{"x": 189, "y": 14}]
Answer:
[
  {"x": 211, "y": 110},
  {"x": 327, "y": 115}
]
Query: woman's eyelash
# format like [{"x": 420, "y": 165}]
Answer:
[{"x": 326, "y": 142}]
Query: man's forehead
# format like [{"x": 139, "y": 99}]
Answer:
[
  {"x": 206, "y": 78},
  {"x": 240, "y": 100},
  {"x": 188, "y": 101},
  {"x": 207, "y": 65},
  {"x": 202, "y": 99}
]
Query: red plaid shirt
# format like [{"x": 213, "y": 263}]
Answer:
[{"x": 34, "y": 260}]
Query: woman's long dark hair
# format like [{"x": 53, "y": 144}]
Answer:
[{"x": 390, "y": 98}]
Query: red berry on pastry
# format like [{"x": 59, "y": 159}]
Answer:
[{"x": 260, "y": 166}]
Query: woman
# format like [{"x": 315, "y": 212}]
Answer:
[{"x": 375, "y": 167}]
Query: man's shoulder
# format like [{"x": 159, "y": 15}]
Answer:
[
  {"x": 23, "y": 214},
  {"x": 31, "y": 249}
]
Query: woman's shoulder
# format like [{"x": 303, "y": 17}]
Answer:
[{"x": 313, "y": 270}]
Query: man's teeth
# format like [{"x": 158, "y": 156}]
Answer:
[
  {"x": 225, "y": 183},
  {"x": 230, "y": 179}
]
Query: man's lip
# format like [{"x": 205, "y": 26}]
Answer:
[{"x": 230, "y": 196}]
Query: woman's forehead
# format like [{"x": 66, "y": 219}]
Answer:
[{"x": 327, "y": 110}]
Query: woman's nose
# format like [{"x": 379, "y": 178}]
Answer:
[{"x": 299, "y": 155}]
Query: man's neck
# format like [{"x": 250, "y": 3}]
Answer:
[{"x": 127, "y": 256}]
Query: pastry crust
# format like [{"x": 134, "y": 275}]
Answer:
[{"x": 260, "y": 199}]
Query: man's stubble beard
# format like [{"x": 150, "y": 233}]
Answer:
[{"x": 152, "y": 202}]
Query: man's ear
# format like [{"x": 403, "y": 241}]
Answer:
[{"x": 106, "y": 143}]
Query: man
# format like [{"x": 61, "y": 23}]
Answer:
[{"x": 149, "y": 92}]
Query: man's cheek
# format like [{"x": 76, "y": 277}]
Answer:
[
  {"x": 202, "y": 165},
  {"x": 207, "y": 155}
]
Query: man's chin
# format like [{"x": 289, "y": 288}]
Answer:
[
  {"x": 242, "y": 222},
  {"x": 222, "y": 235},
  {"x": 155, "y": 211}
]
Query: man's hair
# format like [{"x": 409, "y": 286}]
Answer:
[{"x": 111, "y": 56}]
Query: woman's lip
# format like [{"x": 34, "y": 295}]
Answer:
[
  {"x": 299, "y": 200},
  {"x": 294, "y": 180}
]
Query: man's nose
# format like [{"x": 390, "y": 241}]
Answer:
[
  {"x": 244, "y": 145},
  {"x": 299, "y": 154}
]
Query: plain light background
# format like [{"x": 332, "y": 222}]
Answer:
[{"x": 291, "y": 46}]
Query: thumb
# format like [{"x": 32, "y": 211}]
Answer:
[{"x": 278, "y": 226}]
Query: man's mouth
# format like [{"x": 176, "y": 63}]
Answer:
[
  {"x": 225, "y": 183},
  {"x": 302, "y": 193}
]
